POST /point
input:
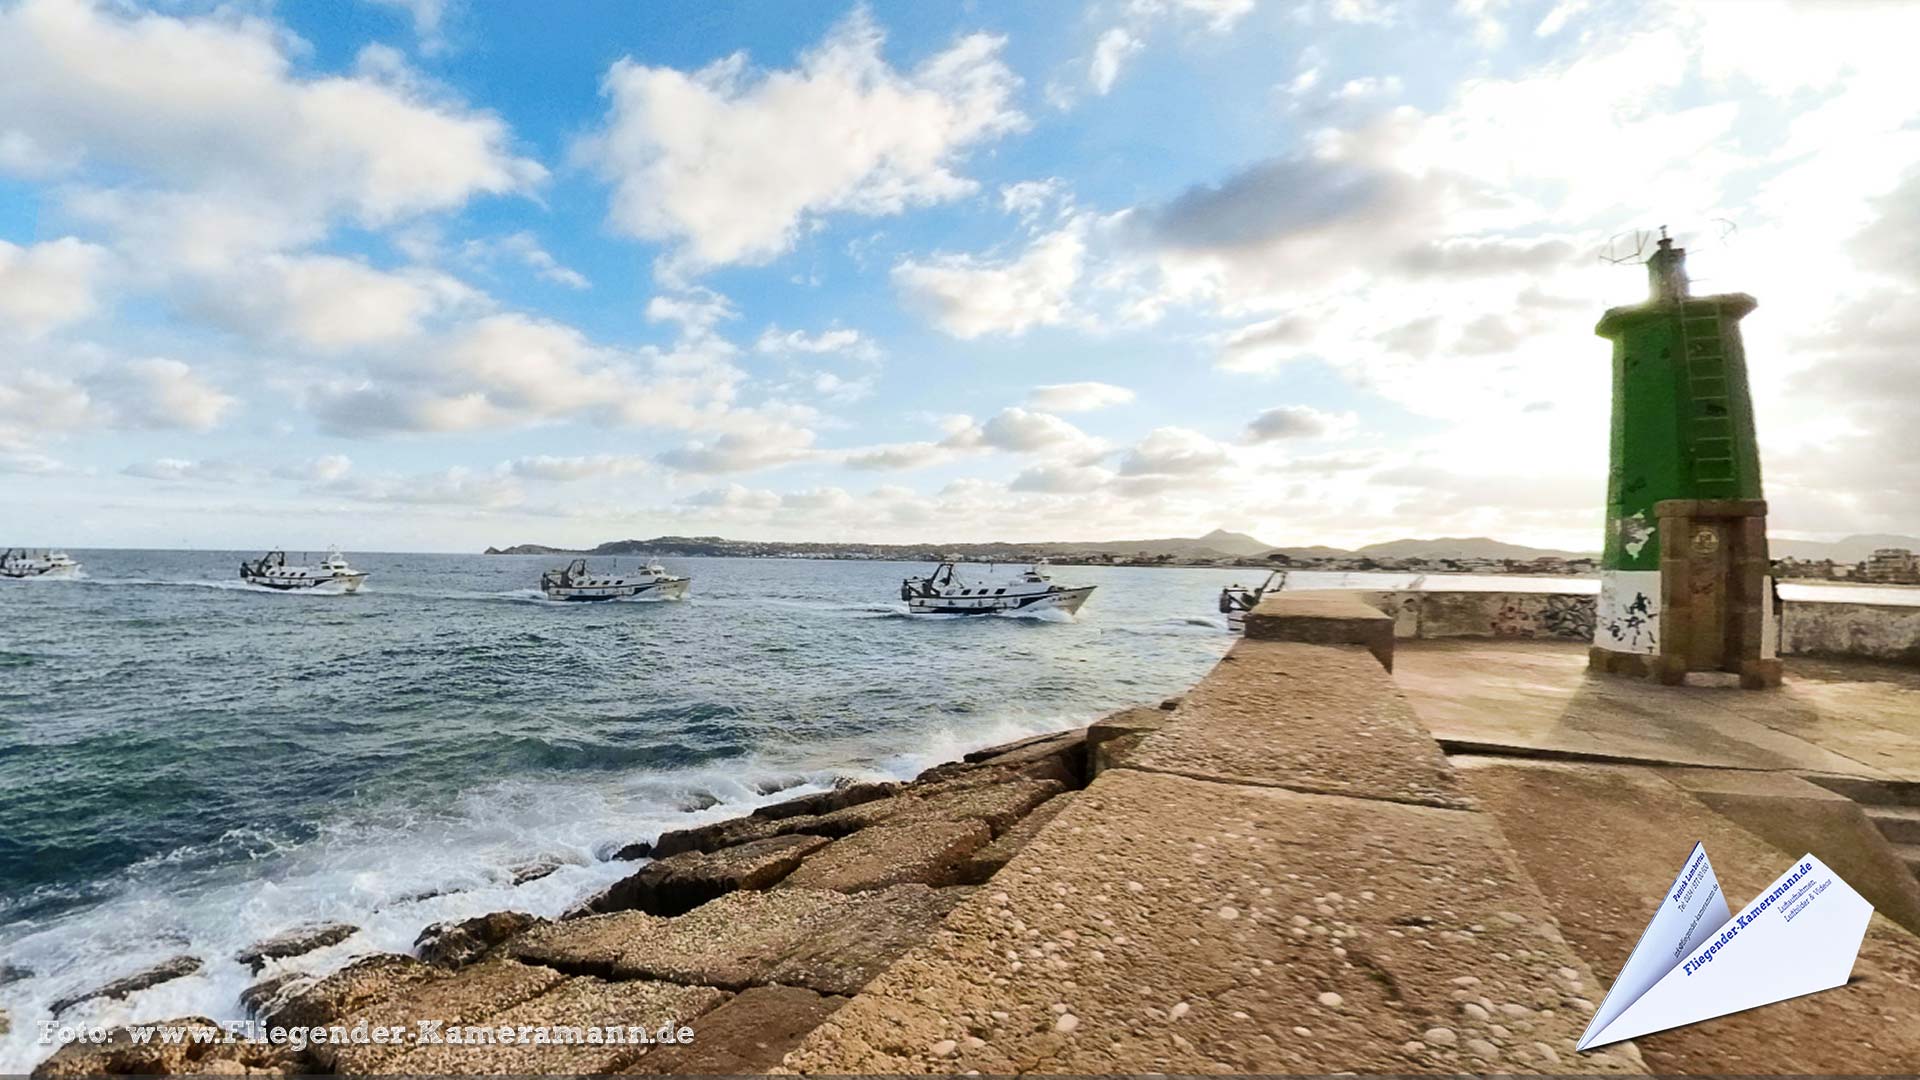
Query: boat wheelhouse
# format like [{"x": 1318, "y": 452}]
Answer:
[
  {"x": 332, "y": 575},
  {"x": 649, "y": 582},
  {"x": 1237, "y": 600},
  {"x": 21, "y": 564},
  {"x": 947, "y": 592}
]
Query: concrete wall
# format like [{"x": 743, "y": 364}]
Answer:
[
  {"x": 1878, "y": 631},
  {"x": 1806, "y": 628}
]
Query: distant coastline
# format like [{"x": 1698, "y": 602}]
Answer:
[{"x": 1216, "y": 549}]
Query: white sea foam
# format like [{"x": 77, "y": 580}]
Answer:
[{"x": 393, "y": 876}]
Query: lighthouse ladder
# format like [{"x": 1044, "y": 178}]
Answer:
[{"x": 1709, "y": 416}]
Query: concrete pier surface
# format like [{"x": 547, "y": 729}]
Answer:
[{"x": 1850, "y": 718}]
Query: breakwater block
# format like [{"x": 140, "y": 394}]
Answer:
[{"x": 1323, "y": 618}]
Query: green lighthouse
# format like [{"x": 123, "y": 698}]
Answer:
[{"x": 1685, "y": 582}]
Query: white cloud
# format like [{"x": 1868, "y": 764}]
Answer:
[
  {"x": 326, "y": 302},
  {"x": 523, "y": 248},
  {"x": 730, "y": 163},
  {"x": 742, "y": 451},
  {"x": 1111, "y": 51},
  {"x": 898, "y": 456},
  {"x": 212, "y": 104},
  {"x": 1297, "y": 422},
  {"x": 1175, "y": 452},
  {"x": 839, "y": 340},
  {"x": 1023, "y": 431},
  {"x": 563, "y": 470},
  {"x": 47, "y": 285},
  {"x": 161, "y": 393},
  {"x": 968, "y": 297},
  {"x": 1078, "y": 396}
]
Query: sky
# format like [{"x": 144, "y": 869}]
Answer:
[{"x": 436, "y": 274}]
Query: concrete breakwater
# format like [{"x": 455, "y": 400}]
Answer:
[
  {"x": 749, "y": 931},
  {"x": 1282, "y": 874}
]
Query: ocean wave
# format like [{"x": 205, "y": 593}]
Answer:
[{"x": 391, "y": 875}]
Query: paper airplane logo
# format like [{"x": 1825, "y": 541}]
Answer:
[{"x": 1696, "y": 960}]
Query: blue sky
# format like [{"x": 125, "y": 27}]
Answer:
[{"x": 428, "y": 274}]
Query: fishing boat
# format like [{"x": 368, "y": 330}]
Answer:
[
  {"x": 332, "y": 575},
  {"x": 1236, "y": 600},
  {"x": 21, "y": 564},
  {"x": 577, "y": 582},
  {"x": 946, "y": 592}
]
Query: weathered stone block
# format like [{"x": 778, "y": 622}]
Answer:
[
  {"x": 581, "y": 1003},
  {"x": 177, "y": 968},
  {"x": 375, "y": 978},
  {"x": 825, "y": 801},
  {"x": 452, "y": 945},
  {"x": 926, "y": 851},
  {"x": 1305, "y": 717},
  {"x": 988, "y": 860},
  {"x": 468, "y": 996},
  {"x": 1323, "y": 618},
  {"x": 120, "y": 1055},
  {"x": 297, "y": 942},
  {"x": 747, "y": 1036},
  {"x": 1111, "y": 737},
  {"x": 680, "y": 883}
]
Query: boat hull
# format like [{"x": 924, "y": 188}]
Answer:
[
  {"x": 662, "y": 589},
  {"x": 56, "y": 573},
  {"x": 332, "y": 586},
  {"x": 1067, "y": 600}
]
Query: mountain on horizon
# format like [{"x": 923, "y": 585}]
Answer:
[
  {"x": 1467, "y": 547},
  {"x": 1851, "y": 549}
]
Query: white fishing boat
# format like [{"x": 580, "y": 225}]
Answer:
[
  {"x": 332, "y": 575},
  {"x": 947, "y": 592},
  {"x": 21, "y": 564},
  {"x": 577, "y": 582},
  {"x": 1236, "y": 600}
]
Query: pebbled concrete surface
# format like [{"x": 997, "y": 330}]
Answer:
[
  {"x": 1306, "y": 717},
  {"x": 1603, "y": 842},
  {"x": 1170, "y": 924}
]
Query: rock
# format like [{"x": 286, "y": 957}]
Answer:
[
  {"x": 826, "y": 941},
  {"x": 842, "y": 955},
  {"x": 270, "y": 994},
  {"x": 988, "y": 860},
  {"x": 746, "y": 1036},
  {"x": 9, "y": 973},
  {"x": 826, "y": 801},
  {"x": 472, "y": 995},
  {"x": 1057, "y": 744},
  {"x": 1110, "y": 738},
  {"x": 121, "y": 1056},
  {"x": 6, "y": 1022},
  {"x": 641, "y": 850},
  {"x": 927, "y": 852},
  {"x": 176, "y": 968},
  {"x": 452, "y": 945},
  {"x": 572, "y": 1003},
  {"x": 719, "y": 834},
  {"x": 680, "y": 883},
  {"x": 296, "y": 942},
  {"x": 352, "y": 988},
  {"x": 534, "y": 871}
]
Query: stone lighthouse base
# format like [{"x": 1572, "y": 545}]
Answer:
[{"x": 1715, "y": 597}]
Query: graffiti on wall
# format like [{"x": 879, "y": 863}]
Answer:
[
  {"x": 1547, "y": 615},
  {"x": 1627, "y": 616}
]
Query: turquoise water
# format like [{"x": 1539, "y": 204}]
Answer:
[{"x": 188, "y": 764}]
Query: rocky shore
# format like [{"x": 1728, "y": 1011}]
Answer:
[{"x": 750, "y": 931}]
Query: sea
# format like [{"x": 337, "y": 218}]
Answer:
[{"x": 189, "y": 764}]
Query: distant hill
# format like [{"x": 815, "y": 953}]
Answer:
[
  {"x": 1218, "y": 544},
  {"x": 1853, "y": 549},
  {"x": 1473, "y": 547}
]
